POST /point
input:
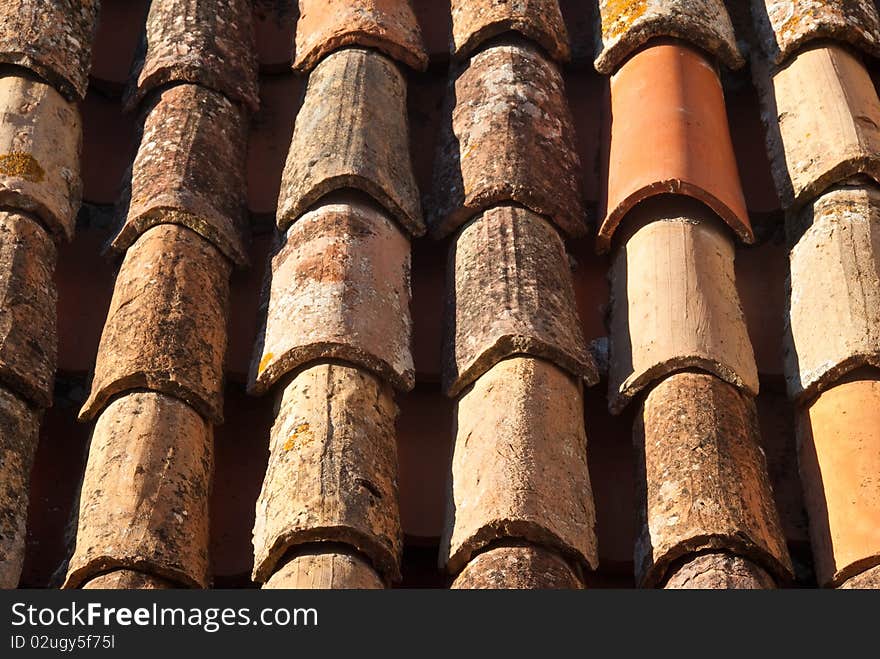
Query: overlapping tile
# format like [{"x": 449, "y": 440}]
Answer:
[
  {"x": 474, "y": 22},
  {"x": 359, "y": 140},
  {"x": 681, "y": 146},
  {"x": 166, "y": 327},
  {"x": 127, "y": 580},
  {"x": 52, "y": 39},
  {"x": 519, "y": 469},
  {"x": 340, "y": 289},
  {"x": 28, "y": 340},
  {"x": 40, "y": 143},
  {"x": 325, "y": 567},
  {"x": 868, "y": 580},
  {"x": 720, "y": 571},
  {"x": 674, "y": 302},
  {"x": 203, "y": 42},
  {"x": 517, "y": 567},
  {"x": 511, "y": 293},
  {"x": 386, "y": 25},
  {"x": 144, "y": 499},
  {"x": 332, "y": 474},
  {"x": 510, "y": 140},
  {"x": 624, "y": 26},
  {"x": 189, "y": 170}
]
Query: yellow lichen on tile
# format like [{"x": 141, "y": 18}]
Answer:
[
  {"x": 21, "y": 165},
  {"x": 301, "y": 435}
]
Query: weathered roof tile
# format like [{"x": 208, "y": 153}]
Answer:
[
  {"x": 511, "y": 139},
  {"x": 189, "y": 170},
  {"x": 517, "y": 566},
  {"x": 719, "y": 571},
  {"x": 389, "y": 26},
  {"x": 127, "y": 580},
  {"x": 511, "y": 293},
  {"x": 359, "y": 140},
  {"x": 333, "y": 568},
  {"x": 340, "y": 290},
  {"x": 624, "y": 26}
]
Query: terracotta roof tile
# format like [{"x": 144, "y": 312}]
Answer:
[
  {"x": 833, "y": 320},
  {"x": 127, "y": 580},
  {"x": 511, "y": 139},
  {"x": 718, "y": 571},
  {"x": 325, "y": 568},
  {"x": 705, "y": 483},
  {"x": 360, "y": 140},
  {"x": 527, "y": 567},
  {"x": 389, "y": 26},
  {"x": 204, "y": 42},
  {"x": 40, "y": 142},
  {"x": 823, "y": 122},
  {"x": 839, "y": 456},
  {"x": 19, "y": 433},
  {"x": 146, "y": 509},
  {"x": 682, "y": 146},
  {"x": 510, "y": 293},
  {"x": 519, "y": 470},
  {"x": 28, "y": 340},
  {"x": 624, "y": 26},
  {"x": 675, "y": 304},
  {"x": 474, "y": 22},
  {"x": 52, "y": 39},
  {"x": 340, "y": 289},
  {"x": 785, "y": 26},
  {"x": 188, "y": 132},
  {"x": 332, "y": 474},
  {"x": 166, "y": 327},
  {"x": 867, "y": 580}
]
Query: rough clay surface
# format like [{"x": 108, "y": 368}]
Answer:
[
  {"x": 359, "y": 140},
  {"x": 190, "y": 170},
  {"x": 203, "y": 42},
  {"x": 703, "y": 482},
  {"x": 28, "y": 337},
  {"x": 40, "y": 143},
  {"x": 476, "y": 21},
  {"x": 675, "y": 305},
  {"x": 52, "y": 39},
  {"x": 720, "y": 571},
  {"x": 332, "y": 474},
  {"x": 333, "y": 568},
  {"x": 785, "y": 26},
  {"x": 626, "y": 25},
  {"x": 389, "y": 26},
  {"x": 510, "y": 139},
  {"x": 19, "y": 433},
  {"x": 867, "y": 580},
  {"x": 833, "y": 320},
  {"x": 519, "y": 469},
  {"x": 822, "y": 116},
  {"x": 127, "y": 580},
  {"x": 510, "y": 293},
  {"x": 166, "y": 328},
  {"x": 145, "y": 494},
  {"x": 517, "y": 567},
  {"x": 340, "y": 289}
]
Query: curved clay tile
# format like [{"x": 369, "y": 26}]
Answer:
[
  {"x": 867, "y": 580},
  {"x": 834, "y": 306},
  {"x": 669, "y": 134},
  {"x": 704, "y": 484},
  {"x": 189, "y": 170},
  {"x": 823, "y": 123},
  {"x": 627, "y": 25},
  {"x": 389, "y": 26},
  {"x": 511, "y": 293},
  {"x": 785, "y": 26},
  {"x": 166, "y": 327},
  {"x": 145, "y": 493},
  {"x": 203, "y": 42},
  {"x": 352, "y": 132},
  {"x": 40, "y": 144},
  {"x": 52, "y": 39},
  {"x": 511, "y": 139},
  {"x": 518, "y": 567},
  {"x": 333, "y": 568},
  {"x": 675, "y": 303},
  {"x": 839, "y": 457},
  {"x": 719, "y": 571},
  {"x": 127, "y": 580},
  {"x": 519, "y": 469},
  {"x": 28, "y": 339},
  {"x": 19, "y": 434},
  {"x": 340, "y": 290},
  {"x": 332, "y": 474},
  {"x": 476, "y": 21}
]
